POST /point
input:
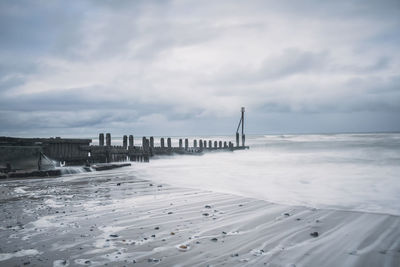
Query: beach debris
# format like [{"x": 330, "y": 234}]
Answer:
[
  {"x": 153, "y": 235},
  {"x": 207, "y": 206},
  {"x": 298, "y": 219},
  {"x": 257, "y": 252},
  {"x": 172, "y": 233},
  {"x": 235, "y": 255},
  {"x": 205, "y": 214},
  {"x": 118, "y": 184},
  {"x": 156, "y": 228},
  {"x": 314, "y": 234},
  {"x": 224, "y": 232},
  {"x": 286, "y": 214},
  {"x": 240, "y": 205},
  {"x": 113, "y": 235},
  {"x": 153, "y": 260},
  {"x": 170, "y": 212},
  {"x": 183, "y": 248},
  {"x": 214, "y": 239}
]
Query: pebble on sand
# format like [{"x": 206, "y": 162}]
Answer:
[
  {"x": 183, "y": 248},
  {"x": 314, "y": 234}
]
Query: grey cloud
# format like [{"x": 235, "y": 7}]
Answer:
[{"x": 183, "y": 66}]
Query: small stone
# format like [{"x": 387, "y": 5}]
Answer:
[
  {"x": 205, "y": 214},
  {"x": 286, "y": 214},
  {"x": 224, "y": 232},
  {"x": 113, "y": 235},
  {"x": 153, "y": 235},
  {"x": 87, "y": 262},
  {"x": 207, "y": 206},
  {"x": 150, "y": 184},
  {"x": 118, "y": 184},
  {"x": 235, "y": 255},
  {"x": 214, "y": 239},
  {"x": 298, "y": 219},
  {"x": 170, "y": 212},
  {"x": 314, "y": 234},
  {"x": 172, "y": 233},
  {"x": 156, "y": 228}
]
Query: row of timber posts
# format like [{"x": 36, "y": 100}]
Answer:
[{"x": 129, "y": 151}]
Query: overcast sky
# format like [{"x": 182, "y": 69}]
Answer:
[{"x": 77, "y": 68}]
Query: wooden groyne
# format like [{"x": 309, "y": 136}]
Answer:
[{"x": 28, "y": 153}]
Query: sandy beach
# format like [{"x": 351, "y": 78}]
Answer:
[{"x": 115, "y": 219}]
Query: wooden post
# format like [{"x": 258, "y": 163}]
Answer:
[
  {"x": 151, "y": 142},
  {"x": 225, "y": 144},
  {"x": 180, "y": 143},
  {"x": 131, "y": 141},
  {"x": 201, "y": 143},
  {"x": 220, "y": 144},
  {"x": 205, "y": 143},
  {"x": 108, "y": 139},
  {"x": 162, "y": 142},
  {"x": 169, "y": 142},
  {"x": 237, "y": 139},
  {"x": 186, "y": 144},
  {"x": 209, "y": 144},
  {"x": 101, "y": 139},
  {"x": 195, "y": 143},
  {"x": 215, "y": 144},
  {"x": 125, "y": 141}
]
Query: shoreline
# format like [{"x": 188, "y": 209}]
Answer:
[{"x": 116, "y": 219}]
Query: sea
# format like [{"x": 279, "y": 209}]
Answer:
[{"x": 357, "y": 172}]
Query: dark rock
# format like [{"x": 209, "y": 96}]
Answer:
[
  {"x": 156, "y": 228},
  {"x": 286, "y": 214},
  {"x": 314, "y": 234},
  {"x": 87, "y": 262},
  {"x": 207, "y": 206},
  {"x": 153, "y": 235},
  {"x": 170, "y": 212},
  {"x": 214, "y": 239},
  {"x": 118, "y": 184},
  {"x": 205, "y": 214},
  {"x": 113, "y": 235}
]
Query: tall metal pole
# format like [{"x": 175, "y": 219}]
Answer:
[{"x": 243, "y": 137}]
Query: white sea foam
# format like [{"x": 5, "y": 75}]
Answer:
[{"x": 344, "y": 171}]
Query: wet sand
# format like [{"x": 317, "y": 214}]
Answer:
[{"x": 113, "y": 218}]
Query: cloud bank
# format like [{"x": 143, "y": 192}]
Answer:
[{"x": 186, "y": 67}]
